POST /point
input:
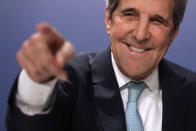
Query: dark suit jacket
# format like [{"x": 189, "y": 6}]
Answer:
[{"x": 91, "y": 101}]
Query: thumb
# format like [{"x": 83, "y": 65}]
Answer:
[{"x": 65, "y": 54}]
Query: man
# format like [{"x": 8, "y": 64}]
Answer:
[{"x": 92, "y": 94}]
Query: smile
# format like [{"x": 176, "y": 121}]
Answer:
[{"x": 137, "y": 50}]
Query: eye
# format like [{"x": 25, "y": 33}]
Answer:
[
  {"x": 157, "y": 21},
  {"x": 130, "y": 14}
]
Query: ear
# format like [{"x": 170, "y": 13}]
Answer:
[
  {"x": 174, "y": 34},
  {"x": 107, "y": 21}
]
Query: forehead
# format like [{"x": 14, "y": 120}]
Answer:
[{"x": 161, "y": 7}]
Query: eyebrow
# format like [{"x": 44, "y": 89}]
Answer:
[
  {"x": 164, "y": 20},
  {"x": 129, "y": 10}
]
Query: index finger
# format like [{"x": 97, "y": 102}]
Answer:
[{"x": 50, "y": 36}]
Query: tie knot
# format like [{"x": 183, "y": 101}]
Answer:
[{"x": 135, "y": 90}]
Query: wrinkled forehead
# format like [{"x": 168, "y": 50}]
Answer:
[
  {"x": 157, "y": 5},
  {"x": 107, "y": 1},
  {"x": 164, "y": 7}
]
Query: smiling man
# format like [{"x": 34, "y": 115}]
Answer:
[
  {"x": 141, "y": 32},
  {"x": 127, "y": 87}
]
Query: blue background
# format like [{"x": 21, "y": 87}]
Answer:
[{"x": 81, "y": 22}]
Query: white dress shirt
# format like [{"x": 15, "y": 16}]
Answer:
[
  {"x": 33, "y": 97},
  {"x": 150, "y": 101}
]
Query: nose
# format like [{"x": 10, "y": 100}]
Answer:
[{"x": 141, "y": 31}]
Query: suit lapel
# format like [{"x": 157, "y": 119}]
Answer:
[
  {"x": 174, "y": 96},
  {"x": 108, "y": 102},
  {"x": 107, "y": 98}
]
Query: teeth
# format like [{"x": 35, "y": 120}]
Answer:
[{"x": 136, "y": 49}]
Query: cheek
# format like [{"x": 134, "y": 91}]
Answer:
[
  {"x": 161, "y": 48},
  {"x": 161, "y": 39},
  {"x": 119, "y": 29}
]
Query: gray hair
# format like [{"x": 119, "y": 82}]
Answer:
[{"x": 178, "y": 10}]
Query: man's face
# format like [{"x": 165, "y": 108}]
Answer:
[{"x": 140, "y": 33}]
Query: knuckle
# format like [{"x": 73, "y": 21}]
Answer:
[
  {"x": 18, "y": 55},
  {"x": 25, "y": 46},
  {"x": 35, "y": 40},
  {"x": 20, "y": 59},
  {"x": 34, "y": 37}
]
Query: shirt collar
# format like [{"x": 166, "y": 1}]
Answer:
[{"x": 152, "y": 80}]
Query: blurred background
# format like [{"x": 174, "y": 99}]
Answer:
[{"x": 82, "y": 23}]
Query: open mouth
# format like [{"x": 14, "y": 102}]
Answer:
[{"x": 135, "y": 49}]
